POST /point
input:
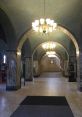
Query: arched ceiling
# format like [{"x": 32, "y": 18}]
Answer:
[
  {"x": 56, "y": 36},
  {"x": 7, "y": 31},
  {"x": 3, "y": 46},
  {"x": 2, "y": 35},
  {"x": 23, "y": 12},
  {"x": 59, "y": 49}
]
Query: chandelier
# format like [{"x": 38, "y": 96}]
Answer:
[
  {"x": 50, "y": 45},
  {"x": 44, "y": 25},
  {"x": 51, "y": 54}
]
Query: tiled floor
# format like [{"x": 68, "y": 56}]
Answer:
[{"x": 51, "y": 84}]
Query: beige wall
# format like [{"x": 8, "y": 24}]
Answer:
[
  {"x": 36, "y": 70},
  {"x": 47, "y": 66}
]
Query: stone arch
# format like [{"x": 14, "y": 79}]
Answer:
[
  {"x": 62, "y": 46},
  {"x": 71, "y": 37},
  {"x": 26, "y": 35},
  {"x": 53, "y": 42}
]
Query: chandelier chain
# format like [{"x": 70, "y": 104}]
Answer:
[{"x": 44, "y": 8}]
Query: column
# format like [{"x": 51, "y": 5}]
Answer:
[
  {"x": 72, "y": 69},
  {"x": 36, "y": 71},
  {"x": 66, "y": 68},
  {"x": 13, "y": 71},
  {"x": 28, "y": 69}
]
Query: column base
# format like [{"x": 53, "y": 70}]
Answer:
[
  {"x": 72, "y": 80},
  {"x": 29, "y": 79},
  {"x": 12, "y": 88},
  {"x": 72, "y": 77},
  {"x": 36, "y": 75}
]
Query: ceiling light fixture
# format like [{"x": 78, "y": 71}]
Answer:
[
  {"x": 49, "y": 45},
  {"x": 52, "y": 56},
  {"x": 44, "y": 25},
  {"x": 50, "y": 52}
]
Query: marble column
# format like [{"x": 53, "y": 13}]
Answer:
[
  {"x": 36, "y": 71},
  {"x": 28, "y": 69},
  {"x": 66, "y": 68},
  {"x": 72, "y": 69},
  {"x": 13, "y": 71}
]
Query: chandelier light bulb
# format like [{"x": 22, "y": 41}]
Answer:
[
  {"x": 50, "y": 29},
  {"x": 54, "y": 26},
  {"x": 36, "y": 22},
  {"x": 40, "y": 29},
  {"x": 42, "y": 21},
  {"x": 48, "y": 21},
  {"x": 52, "y": 22}
]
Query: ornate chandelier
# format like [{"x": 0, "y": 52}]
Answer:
[
  {"x": 50, "y": 45},
  {"x": 44, "y": 25},
  {"x": 51, "y": 54}
]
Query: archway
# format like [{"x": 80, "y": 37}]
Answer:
[
  {"x": 60, "y": 55},
  {"x": 26, "y": 35},
  {"x": 60, "y": 28}
]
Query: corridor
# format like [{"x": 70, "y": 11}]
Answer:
[
  {"x": 38, "y": 40},
  {"x": 48, "y": 84}
]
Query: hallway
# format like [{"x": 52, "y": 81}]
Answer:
[
  {"x": 38, "y": 37},
  {"x": 48, "y": 84}
]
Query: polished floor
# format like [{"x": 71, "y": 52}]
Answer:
[{"x": 48, "y": 84}]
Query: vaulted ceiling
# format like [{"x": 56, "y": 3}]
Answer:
[{"x": 22, "y": 13}]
